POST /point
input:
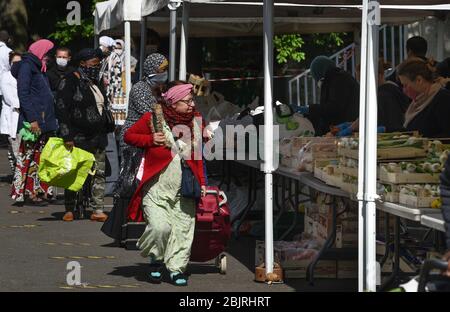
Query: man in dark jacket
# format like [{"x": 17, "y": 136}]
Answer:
[
  {"x": 339, "y": 96},
  {"x": 81, "y": 105},
  {"x": 60, "y": 69}
]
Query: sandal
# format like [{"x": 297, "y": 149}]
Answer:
[
  {"x": 179, "y": 279},
  {"x": 156, "y": 272}
]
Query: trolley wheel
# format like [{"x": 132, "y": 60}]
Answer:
[{"x": 223, "y": 264}]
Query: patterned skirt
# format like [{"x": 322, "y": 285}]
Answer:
[{"x": 26, "y": 182}]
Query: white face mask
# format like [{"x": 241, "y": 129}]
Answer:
[{"x": 61, "y": 62}]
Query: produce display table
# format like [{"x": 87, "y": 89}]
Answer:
[
  {"x": 426, "y": 216},
  {"x": 434, "y": 221}
]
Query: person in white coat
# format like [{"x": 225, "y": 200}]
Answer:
[
  {"x": 9, "y": 117},
  {"x": 4, "y": 54}
]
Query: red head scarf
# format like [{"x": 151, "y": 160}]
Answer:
[{"x": 40, "y": 48}]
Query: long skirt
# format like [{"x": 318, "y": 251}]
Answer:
[{"x": 26, "y": 182}]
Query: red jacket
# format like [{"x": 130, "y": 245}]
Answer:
[{"x": 156, "y": 159}]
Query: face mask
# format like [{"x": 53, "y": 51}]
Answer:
[
  {"x": 92, "y": 73},
  {"x": 61, "y": 62},
  {"x": 410, "y": 92},
  {"x": 159, "y": 78}
]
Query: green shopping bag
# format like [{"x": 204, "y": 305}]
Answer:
[{"x": 63, "y": 168}]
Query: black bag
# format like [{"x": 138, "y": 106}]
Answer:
[
  {"x": 110, "y": 123},
  {"x": 190, "y": 188}
]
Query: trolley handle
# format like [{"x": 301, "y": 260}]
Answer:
[
  {"x": 427, "y": 266},
  {"x": 220, "y": 193}
]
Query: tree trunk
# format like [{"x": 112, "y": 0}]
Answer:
[{"x": 14, "y": 19}]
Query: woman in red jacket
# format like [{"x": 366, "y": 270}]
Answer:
[{"x": 171, "y": 136}]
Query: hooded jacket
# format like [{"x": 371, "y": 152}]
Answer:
[
  {"x": 339, "y": 101},
  {"x": 35, "y": 97}
]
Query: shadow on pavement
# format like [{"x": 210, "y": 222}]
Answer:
[{"x": 139, "y": 271}]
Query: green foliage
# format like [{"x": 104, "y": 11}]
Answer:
[
  {"x": 288, "y": 48},
  {"x": 65, "y": 33},
  {"x": 329, "y": 40}
]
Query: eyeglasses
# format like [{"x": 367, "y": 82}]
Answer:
[{"x": 188, "y": 102}]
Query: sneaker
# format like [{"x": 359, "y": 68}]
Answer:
[
  {"x": 68, "y": 217},
  {"x": 100, "y": 217}
]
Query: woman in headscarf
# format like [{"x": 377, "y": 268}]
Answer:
[
  {"x": 171, "y": 137},
  {"x": 115, "y": 69},
  {"x": 37, "y": 111},
  {"x": 429, "y": 110},
  {"x": 339, "y": 96},
  {"x": 141, "y": 101},
  {"x": 81, "y": 104}
]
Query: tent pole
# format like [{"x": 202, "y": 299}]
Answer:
[
  {"x": 173, "y": 6},
  {"x": 268, "y": 166},
  {"x": 440, "y": 40},
  {"x": 184, "y": 40},
  {"x": 367, "y": 170},
  {"x": 143, "y": 42},
  {"x": 127, "y": 61}
]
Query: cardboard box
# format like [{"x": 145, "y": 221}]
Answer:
[
  {"x": 345, "y": 239},
  {"x": 288, "y": 257},
  {"x": 347, "y": 269},
  {"x": 323, "y": 269}
]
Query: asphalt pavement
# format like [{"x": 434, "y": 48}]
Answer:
[{"x": 36, "y": 247}]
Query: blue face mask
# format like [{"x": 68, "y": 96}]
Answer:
[{"x": 159, "y": 78}]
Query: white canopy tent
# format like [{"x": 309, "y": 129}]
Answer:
[
  {"x": 102, "y": 15},
  {"x": 212, "y": 18},
  {"x": 393, "y": 12},
  {"x": 371, "y": 19}
]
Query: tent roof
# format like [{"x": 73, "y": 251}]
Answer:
[
  {"x": 102, "y": 15},
  {"x": 112, "y": 13},
  {"x": 224, "y": 18}
]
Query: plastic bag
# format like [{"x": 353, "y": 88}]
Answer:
[
  {"x": 63, "y": 168},
  {"x": 26, "y": 133}
]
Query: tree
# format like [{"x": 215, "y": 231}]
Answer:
[
  {"x": 288, "y": 48},
  {"x": 14, "y": 19},
  {"x": 65, "y": 33}
]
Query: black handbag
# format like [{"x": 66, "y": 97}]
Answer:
[
  {"x": 110, "y": 123},
  {"x": 190, "y": 188}
]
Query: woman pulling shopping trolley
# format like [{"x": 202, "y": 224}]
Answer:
[{"x": 173, "y": 166}]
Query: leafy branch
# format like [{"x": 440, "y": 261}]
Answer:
[{"x": 288, "y": 48}]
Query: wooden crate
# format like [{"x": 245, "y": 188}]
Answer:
[
  {"x": 347, "y": 152},
  {"x": 407, "y": 178},
  {"x": 329, "y": 179},
  {"x": 392, "y": 197},
  {"x": 353, "y": 172},
  {"x": 416, "y": 201},
  {"x": 387, "y": 153},
  {"x": 401, "y": 152},
  {"x": 349, "y": 187}
]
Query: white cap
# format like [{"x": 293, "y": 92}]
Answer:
[{"x": 106, "y": 41}]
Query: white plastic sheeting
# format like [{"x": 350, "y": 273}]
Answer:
[{"x": 102, "y": 15}]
